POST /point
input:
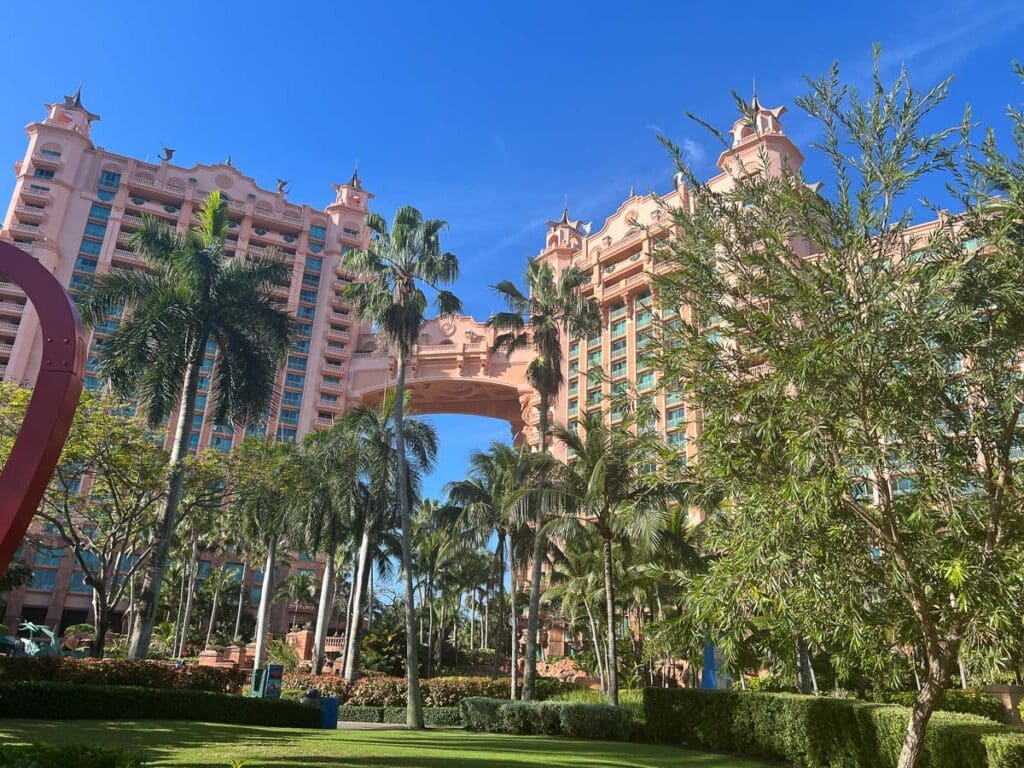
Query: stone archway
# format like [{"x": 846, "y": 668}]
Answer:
[{"x": 453, "y": 370}]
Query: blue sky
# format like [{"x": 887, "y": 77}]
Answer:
[{"x": 481, "y": 113}]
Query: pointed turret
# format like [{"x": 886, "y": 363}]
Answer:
[
  {"x": 759, "y": 129},
  {"x": 565, "y": 234},
  {"x": 71, "y": 114}
]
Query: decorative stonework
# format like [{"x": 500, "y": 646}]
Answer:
[{"x": 224, "y": 181}]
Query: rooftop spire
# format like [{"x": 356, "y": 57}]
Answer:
[
  {"x": 355, "y": 182},
  {"x": 755, "y": 103},
  {"x": 74, "y": 101}
]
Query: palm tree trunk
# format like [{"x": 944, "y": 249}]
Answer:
[
  {"x": 414, "y": 706},
  {"x": 213, "y": 610},
  {"x": 472, "y": 619},
  {"x": 596, "y": 640},
  {"x": 263, "y": 616},
  {"x": 533, "y": 616},
  {"x": 142, "y": 634},
  {"x": 369, "y": 598},
  {"x": 355, "y": 620},
  {"x": 348, "y": 614},
  {"x": 514, "y": 624},
  {"x": 440, "y": 636},
  {"x": 241, "y": 603},
  {"x": 609, "y": 599},
  {"x": 177, "y": 615},
  {"x": 189, "y": 594},
  {"x": 499, "y": 567},
  {"x": 323, "y": 615},
  {"x": 430, "y": 628}
]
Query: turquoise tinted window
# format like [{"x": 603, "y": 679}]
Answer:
[
  {"x": 99, "y": 212},
  {"x": 90, "y": 247},
  {"x": 110, "y": 179}
]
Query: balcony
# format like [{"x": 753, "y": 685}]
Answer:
[
  {"x": 333, "y": 367},
  {"x": 11, "y": 308},
  {"x": 45, "y": 160},
  {"x": 293, "y": 216},
  {"x": 331, "y": 388},
  {"x": 132, "y": 221},
  {"x": 174, "y": 189},
  {"x": 129, "y": 256},
  {"x": 5, "y": 348},
  {"x": 337, "y": 335},
  {"x": 25, "y": 228},
  {"x": 9, "y": 288},
  {"x": 322, "y": 422},
  {"x": 39, "y": 195},
  {"x": 8, "y": 329},
  {"x": 325, "y": 404},
  {"x": 30, "y": 212}
]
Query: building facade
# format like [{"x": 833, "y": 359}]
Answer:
[{"x": 73, "y": 208}]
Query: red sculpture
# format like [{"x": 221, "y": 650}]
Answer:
[{"x": 37, "y": 448}]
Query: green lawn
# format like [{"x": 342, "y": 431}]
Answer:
[{"x": 202, "y": 744}]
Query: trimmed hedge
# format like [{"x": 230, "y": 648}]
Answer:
[
  {"x": 144, "y": 674},
  {"x": 965, "y": 702},
  {"x": 386, "y": 691},
  {"x": 525, "y": 718},
  {"x": 46, "y": 756},
  {"x": 437, "y": 717},
  {"x": 818, "y": 732},
  {"x": 68, "y": 701}
]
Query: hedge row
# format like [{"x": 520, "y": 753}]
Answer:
[
  {"x": 69, "y": 701},
  {"x": 817, "y": 732},
  {"x": 383, "y": 691},
  {"x": 46, "y": 756},
  {"x": 436, "y": 717},
  {"x": 965, "y": 702},
  {"x": 144, "y": 674},
  {"x": 546, "y": 718}
]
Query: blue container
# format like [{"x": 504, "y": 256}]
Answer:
[{"x": 329, "y": 713}]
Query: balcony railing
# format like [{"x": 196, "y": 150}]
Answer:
[
  {"x": 9, "y": 328},
  {"x": 27, "y": 210},
  {"x": 25, "y": 227},
  {"x": 35, "y": 194},
  {"x": 51, "y": 161},
  {"x": 11, "y": 307}
]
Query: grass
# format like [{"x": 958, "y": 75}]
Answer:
[
  {"x": 629, "y": 698},
  {"x": 204, "y": 744}
]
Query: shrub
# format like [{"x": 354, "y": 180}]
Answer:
[
  {"x": 816, "y": 732},
  {"x": 516, "y": 718},
  {"x": 70, "y": 701},
  {"x": 595, "y": 721},
  {"x": 387, "y": 691},
  {"x": 965, "y": 702},
  {"x": 328, "y": 685},
  {"x": 442, "y": 717},
  {"x": 631, "y": 699},
  {"x": 377, "y": 692},
  {"x": 355, "y": 714},
  {"x": 1004, "y": 751},
  {"x": 145, "y": 674},
  {"x": 44, "y": 756},
  {"x": 480, "y": 713}
]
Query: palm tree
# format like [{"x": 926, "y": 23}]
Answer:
[
  {"x": 299, "y": 589},
  {"x": 612, "y": 490},
  {"x": 378, "y": 469},
  {"x": 397, "y": 266},
  {"x": 190, "y": 299},
  {"x": 220, "y": 580},
  {"x": 265, "y": 475},
  {"x": 329, "y": 499},
  {"x": 555, "y": 305},
  {"x": 493, "y": 499}
]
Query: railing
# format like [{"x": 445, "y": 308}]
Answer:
[
  {"x": 8, "y": 328},
  {"x": 133, "y": 220},
  {"x": 293, "y": 216},
  {"x": 334, "y": 643},
  {"x": 26, "y": 210},
  {"x": 38, "y": 194},
  {"x": 10, "y": 306},
  {"x": 6, "y": 348},
  {"x": 44, "y": 159},
  {"x": 7, "y": 285},
  {"x": 120, "y": 253}
]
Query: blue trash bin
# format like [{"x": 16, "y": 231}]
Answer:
[{"x": 329, "y": 713}]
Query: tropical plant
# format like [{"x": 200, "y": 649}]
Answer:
[
  {"x": 553, "y": 305},
  {"x": 397, "y": 266},
  {"x": 298, "y": 589},
  {"x": 190, "y": 299},
  {"x": 859, "y": 387}
]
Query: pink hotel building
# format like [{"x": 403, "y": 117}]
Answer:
[{"x": 74, "y": 204}]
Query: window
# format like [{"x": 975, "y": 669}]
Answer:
[
  {"x": 901, "y": 485},
  {"x": 286, "y": 435},
  {"x": 643, "y": 317},
  {"x": 49, "y": 556},
  {"x": 95, "y": 230},
  {"x": 308, "y": 296},
  {"x": 594, "y": 358},
  {"x": 296, "y": 363},
  {"x": 222, "y": 444},
  {"x": 574, "y": 386},
  {"x": 618, "y": 369},
  {"x": 305, "y": 571},
  {"x": 90, "y": 247},
  {"x": 617, "y": 312},
  {"x": 329, "y": 399},
  {"x": 673, "y": 397},
  {"x": 46, "y": 580},
  {"x": 618, "y": 347},
  {"x": 338, "y": 345},
  {"x": 101, "y": 212},
  {"x": 310, "y": 279},
  {"x": 255, "y": 594},
  {"x": 305, "y": 313},
  {"x": 315, "y": 264},
  {"x": 50, "y": 153},
  {"x": 204, "y": 570},
  {"x": 303, "y": 330},
  {"x": 256, "y": 430},
  {"x": 79, "y": 283},
  {"x": 110, "y": 179},
  {"x": 193, "y": 441},
  {"x": 676, "y": 417},
  {"x": 200, "y": 402},
  {"x": 677, "y": 439},
  {"x": 294, "y": 380},
  {"x": 85, "y": 264},
  {"x": 197, "y": 422},
  {"x": 574, "y": 407},
  {"x": 234, "y": 570},
  {"x": 78, "y": 583},
  {"x": 645, "y": 380},
  {"x": 317, "y": 232},
  {"x": 619, "y": 327},
  {"x": 594, "y": 397},
  {"x": 348, "y": 231},
  {"x": 43, "y": 173},
  {"x": 203, "y": 383},
  {"x": 332, "y": 381},
  {"x": 289, "y": 417},
  {"x": 291, "y": 398},
  {"x": 92, "y": 383}
]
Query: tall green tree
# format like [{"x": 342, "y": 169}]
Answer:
[
  {"x": 264, "y": 478},
  {"x": 859, "y": 383},
  {"x": 190, "y": 294},
  {"x": 398, "y": 267},
  {"x": 552, "y": 307},
  {"x": 611, "y": 487},
  {"x": 494, "y": 498}
]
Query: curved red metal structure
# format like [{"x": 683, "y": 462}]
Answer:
[{"x": 58, "y": 388}]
